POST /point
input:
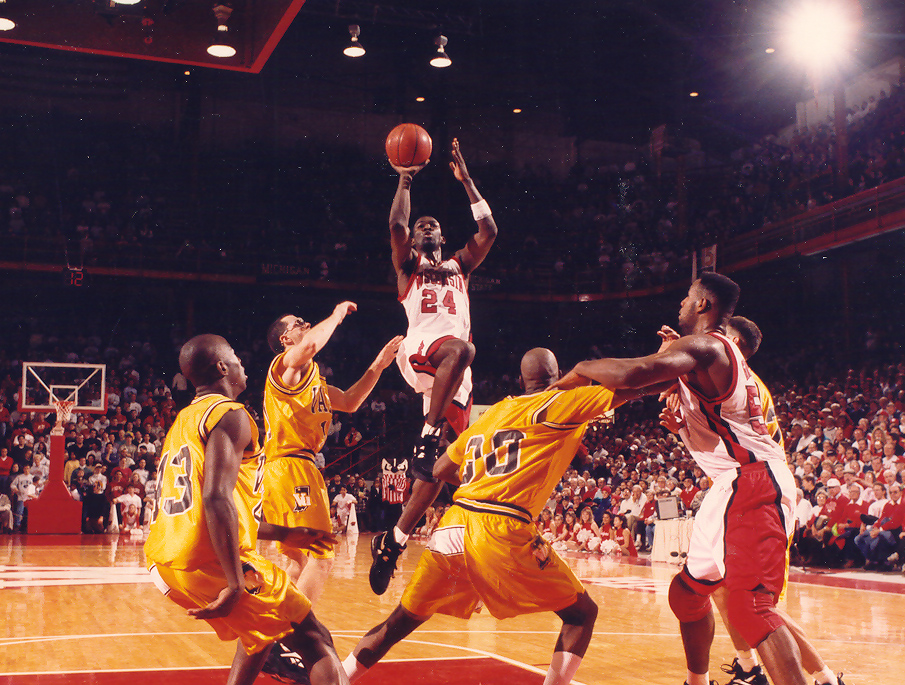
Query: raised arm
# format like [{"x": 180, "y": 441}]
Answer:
[
  {"x": 298, "y": 357},
  {"x": 480, "y": 243},
  {"x": 222, "y": 458},
  {"x": 400, "y": 214},
  {"x": 350, "y": 400}
]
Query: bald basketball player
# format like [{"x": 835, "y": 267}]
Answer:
[{"x": 486, "y": 548}]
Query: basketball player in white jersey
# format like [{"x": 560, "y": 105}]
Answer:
[
  {"x": 744, "y": 667},
  {"x": 437, "y": 352},
  {"x": 742, "y": 528}
]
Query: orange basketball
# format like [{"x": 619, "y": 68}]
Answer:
[{"x": 408, "y": 145}]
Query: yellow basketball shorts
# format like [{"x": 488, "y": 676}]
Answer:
[
  {"x": 493, "y": 559},
  {"x": 257, "y": 619},
  {"x": 295, "y": 495}
]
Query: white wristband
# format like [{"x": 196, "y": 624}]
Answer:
[{"x": 480, "y": 210}]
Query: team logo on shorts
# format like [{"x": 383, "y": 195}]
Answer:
[
  {"x": 302, "y": 496},
  {"x": 254, "y": 581},
  {"x": 541, "y": 552}
]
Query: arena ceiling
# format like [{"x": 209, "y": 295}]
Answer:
[{"x": 610, "y": 69}]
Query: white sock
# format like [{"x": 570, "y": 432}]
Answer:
[
  {"x": 697, "y": 678},
  {"x": 353, "y": 668},
  {"x": 747, "y": 660},
  {"x": 826, "y": 676},
  {"x": 401, "y": 538},
  {"x": 562, "y": 668}
]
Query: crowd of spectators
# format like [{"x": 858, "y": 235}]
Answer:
[
  {"x": 322, "y": 211},
  {"x": 844, "y": 435},
  {"x": 111, "y": 459}
]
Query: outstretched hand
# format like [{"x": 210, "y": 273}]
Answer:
[
  {"x": 668, "y": 335},
  {"x": 386, "y": 356},
  {"x": 671, "y": 415},
  {"x": 220, "y": 607},
  {"x": 460, "y": 171},
  {"x": 569, "y": 381},
  {"x": 343, "y": 309},
  {"x": 409, "y": 170}
]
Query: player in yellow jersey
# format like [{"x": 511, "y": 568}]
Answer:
[
  {"x": 298, "y": 411},
  {"x": 745, "y": 669},
  {"x": 201, "y": 546},
  {"x": 486, "y": 548}
]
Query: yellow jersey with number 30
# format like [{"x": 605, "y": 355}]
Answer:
[
  {"x": 519, "y": 448},
  {"x": 296, "y": 418},
  {"x": 179, "y": 537}
]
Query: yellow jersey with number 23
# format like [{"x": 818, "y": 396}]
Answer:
[{"x": 179, "y": 537}]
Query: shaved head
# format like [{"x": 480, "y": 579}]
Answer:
[
  {"x": 199, "y": 356},
  {"x": 539, "y": 369}
]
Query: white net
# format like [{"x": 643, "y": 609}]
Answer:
[{"x": 64, "y": 412}]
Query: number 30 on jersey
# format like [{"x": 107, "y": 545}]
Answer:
[{"x": 503, "y": 458}]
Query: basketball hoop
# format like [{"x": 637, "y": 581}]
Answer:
[{"x": 64, "y": 413}]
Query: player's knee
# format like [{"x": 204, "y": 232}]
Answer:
[
  {"x": 311, "y": 640},
  {"x": 461, "y": 352},
  {"x": 687, "y": 606},
  {"x": 752, "y": 613},
  {"x": 582, "y": 613}
]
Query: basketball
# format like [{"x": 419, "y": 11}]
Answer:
[{"x": 408, "y": 145}]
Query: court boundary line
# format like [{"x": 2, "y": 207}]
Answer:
[
  {"x": 15, "y": 641},
  {"x": 159, "y": 669}
]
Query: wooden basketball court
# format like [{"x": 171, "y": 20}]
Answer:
[{"x": 81, "y": 609}]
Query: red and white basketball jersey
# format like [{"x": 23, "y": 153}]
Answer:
[
  {"x": 394, "y": 487},
  {"x": 727, "y": 431},
  {"x": 436, "y": 301}
]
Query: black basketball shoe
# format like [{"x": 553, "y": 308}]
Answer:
[
  {"x": 742, "y": 677},
  {"x": 385, "y": 553},
  {"x": 285, "y": 665},
  {"x": 427, "y": 449}
]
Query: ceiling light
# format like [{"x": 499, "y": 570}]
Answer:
[
  {"x": 420, "y": 98},
  {"x": 354, "y": 49},
  {"x": 820, "y": 34},
  {"x": 693, "y": 94},
  {"x": 441, "y": 59},
  {"x": 517, "y": 110},
  {"x": 770, "y": 51},
  {"x": 6, "y": 24},
  {"x": 125, "y": 2},
  {"x": 222, "y": 45}
]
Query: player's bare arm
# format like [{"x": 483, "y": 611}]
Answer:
[
  {"x": 298, "y": 537},
  {"x": 400, "y": 214},
  {"x": 350, "y": 400},
  {"x": 447, "y": 470},
  {"x": 685, "y": 356},
  {"x": 478, "y": 246},
  {"x": 222, "y": 458},
  {"x": 295, "y": 362}
]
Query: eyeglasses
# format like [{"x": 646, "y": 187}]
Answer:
[{"x": 298, "y": 323}]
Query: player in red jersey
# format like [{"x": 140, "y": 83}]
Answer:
[
  {"x": 437, "y": 352},
  {"x": 742, "y": 528}
]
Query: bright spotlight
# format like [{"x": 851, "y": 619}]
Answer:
[{"x": 820, "y": 35}]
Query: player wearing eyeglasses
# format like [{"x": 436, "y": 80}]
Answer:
[{"x": 298, "y": 411}]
